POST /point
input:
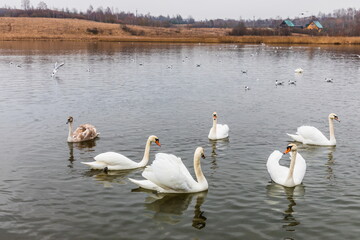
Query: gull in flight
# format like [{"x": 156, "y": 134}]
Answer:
[{"x": 56, "y": 68}]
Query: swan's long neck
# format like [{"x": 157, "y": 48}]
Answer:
[
  {"x": 198, "y": 172},
  {"x": 146, "y": 157},
  {"x": 70, "y": 132},
  {"x": 213, "y": 129},
  {"x": 292, "y": 165},
  {"x": 332, "y": 131}
]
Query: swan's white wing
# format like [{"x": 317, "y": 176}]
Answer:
[
  {"x": 277, "y": 172},
  {"x": 115, "y": 161},
  {"x": 58, "y": 66},
  {"x": 299, "y": 169},
  {"x": 312, "y": 135},
  {"x": 168, "y": 172},
  {"x": 222, "y": 131}
]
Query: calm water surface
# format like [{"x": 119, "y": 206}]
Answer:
[{"x": 136, "y": 90}]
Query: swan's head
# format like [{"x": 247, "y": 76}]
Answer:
[
  {"x": 70, "y": 120},
  {"x": 155, "y": 139},
  {"x": 214, "y": 115},
  {"x": 290, "y": 147},
  {"x": 200, "y": 151},
  {"x": 333, "y": 116}
]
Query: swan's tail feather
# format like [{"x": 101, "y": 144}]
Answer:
[
  {"x": 297, "y": 138},
  {"x": 145, "y": 184},
  {"x": 95, "y": 165}
]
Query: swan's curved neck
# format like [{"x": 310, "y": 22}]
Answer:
[
  {"x": 70, "y": 132},
  {"x": 198, "y": 172},
  {"x": 146, "y": 157},
  {"x": 292, "y": 164},
  {"x": 332, "y": 131}
]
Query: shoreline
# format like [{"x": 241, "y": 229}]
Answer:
[{"x": 51, "y": 29}]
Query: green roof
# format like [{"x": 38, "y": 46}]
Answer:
[
  {"x": 318, "y": 24},
  {"x": 289, "y": 23}
]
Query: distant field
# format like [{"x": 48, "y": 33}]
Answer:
[{"x": 83, "y": 30}]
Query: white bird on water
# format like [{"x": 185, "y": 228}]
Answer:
[
  {"x": 291, "y": 82},
  {"x": 299, "y": 70},
  {"x": 277, "y": 83},
  {"x": 56, "y": 68},
  {"x": 247, "y": 88},
  {"x": 329, "y": 80}
]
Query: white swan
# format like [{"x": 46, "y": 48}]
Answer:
[
  {"x": 312, "y": 136},
  {"x": 83, "y": 133},
  {"x": 218, "y": 131},
  {"x": 167, "y": 174},
  {"x": 288, "y": 177},
  {"x": 117, "y": 161},
  {"x": 299, "y": 70}
]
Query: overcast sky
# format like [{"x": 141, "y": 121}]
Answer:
[{"x": 205, "y": 9}]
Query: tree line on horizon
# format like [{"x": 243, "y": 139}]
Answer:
[{"x": 342, "y": 22}]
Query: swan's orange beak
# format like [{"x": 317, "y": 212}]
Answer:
[
  {"x": 288, "y": 149},
  {"x": 203, "y": 156},
  {"x": 215, "y": 117},
  {"x": 337, "y": 119},
  {"x": 157, "y": 142}
]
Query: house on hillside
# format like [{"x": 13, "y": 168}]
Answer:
[{"x": 314, "y": 25}]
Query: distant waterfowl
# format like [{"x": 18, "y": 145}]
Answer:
[
  {"x": 312, "y": 136},
  {"x": 56, "y": 68},
  {"x": 329, "y": 80},
  {"x": 292, "y": 82},
  {"x": 83, "y": 133},
  {"x": 277, "y": 83},
  {"x": 247, "y": 88},
  {"x": 218, "y": 131},
  {"x": 168, "y": 174},
  {"x": 299, "y": 70},
  {"x": 116, "y": 161},
  {"x": 198, "y": 65},
  {"x": 287, "y": 176},
  {"x": 244, "y": 71}
]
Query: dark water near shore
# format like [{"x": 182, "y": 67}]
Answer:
[{"x": 136, "y": 90}]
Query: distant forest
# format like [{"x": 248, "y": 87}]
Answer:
[{"x": 342, "y": 22}]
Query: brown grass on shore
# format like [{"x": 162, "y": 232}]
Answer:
[{"x": 83, "y": 30}]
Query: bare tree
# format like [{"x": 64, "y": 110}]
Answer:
[
  {"x": 42, "y": 5},
  {"x": 25, "y": 4}
]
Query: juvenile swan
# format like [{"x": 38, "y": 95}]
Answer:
[
  {"x": 312, "y": 136},
  {"x": 218, "y": 131},
  {"x": 117, "y": 161},
  {"x": 83, "y": 133},
  {"x": 288, "y": 177},
  {"x": 168, "y": 174}
]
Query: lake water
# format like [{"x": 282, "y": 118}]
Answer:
[{"x": 136, "y": 90}]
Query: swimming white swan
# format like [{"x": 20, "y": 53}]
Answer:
[
  {"x": 312, "y": 136},
  {"x": 299, "y": 70},
  {"x": 167, "y": 174},
  {"x": 218, "y": 131},
  {"x": 288, "y": 177},
  {"x": 83, "y": 133},
  {"x": 117, "y": 161}
]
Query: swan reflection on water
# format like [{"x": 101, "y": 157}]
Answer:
[
  {"x": 169, "y": 208},
  {"x": 87, "y": 146},
  {"x": 110, "y": 177},
  {"x": 320, "y": 152},
  {"x": 276, "y": 192},
  {"x": 221, "y": 145}
]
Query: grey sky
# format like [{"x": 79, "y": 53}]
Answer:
[{"x": 205, "y": 9}]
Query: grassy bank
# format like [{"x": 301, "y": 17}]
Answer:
[{"x": 50, "y": 29}]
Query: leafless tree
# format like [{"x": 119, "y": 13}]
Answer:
[{"x": 25, "y": 4}]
